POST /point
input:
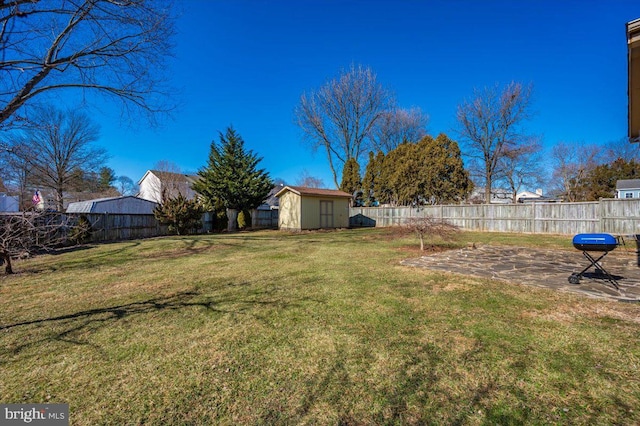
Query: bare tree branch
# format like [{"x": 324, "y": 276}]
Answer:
[
  {"x": 58, "y": 151},
  {"x": 398, "y": 126},
  {"x": 22, "y": 234},
  {"x": 572, "y": 162},
  {"x": 490, "y": 125},
  {"x": 340, "y": 115},
  {"x": 520, "y": 166},
  {"x": 112, "y": 47}
]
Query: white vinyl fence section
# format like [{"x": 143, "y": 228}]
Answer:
[{"x": 614, "y": 216}]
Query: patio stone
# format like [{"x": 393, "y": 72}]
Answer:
[{"x": 541, "y": 268}]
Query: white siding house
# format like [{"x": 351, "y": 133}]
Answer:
[
  {"x": 628, "y": 188},
  {"x": 8, "y": 203},
  {"x": 155, "y": 185}
]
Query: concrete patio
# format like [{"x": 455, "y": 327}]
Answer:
[{"x": 542, "y": 268}]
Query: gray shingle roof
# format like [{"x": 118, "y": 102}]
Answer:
[{"x": 628, "y": 184}]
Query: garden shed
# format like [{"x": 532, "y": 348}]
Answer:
[
  {"x": 312, "y": 208},
  {"x": 113, "y": 205}
]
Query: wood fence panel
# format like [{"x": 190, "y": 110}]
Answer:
[
  {"x": 614, "y": 216},
  {"x": 620, "y": 216}
]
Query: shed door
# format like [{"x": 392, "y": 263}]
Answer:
[{"x": 326, "y": 214}]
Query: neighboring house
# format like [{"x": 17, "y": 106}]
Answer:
[
  {"x": 628, "y": 188},
  {"x": 271, "y": 202},
  {"x": 266, "y": 214},
  {"x": 156, "y": 185},
  {"x": 535, "y": 197},
  {"x": 46, "y": 198},
  {"x": 114, "y": 205},
  {"x": 498, "y": 196},
  {"x": 9, "y": 203},
  {"x": 528, "y": 195},
  {"x": 312, "y": 208}
]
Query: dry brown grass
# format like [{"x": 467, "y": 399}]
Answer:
[{"x": 315, "y": 328}]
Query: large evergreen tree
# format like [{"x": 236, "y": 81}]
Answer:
[
  {"x": 428, "y": 172},
  {"x": 600, "y": 182},
  {"x": 350, "y": 176},
  {"x": 371, "y": 182},
  {"x": 232, "y": 178},
  {"x": 448, "y": 181}
]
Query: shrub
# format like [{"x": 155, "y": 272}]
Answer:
[
  {"x": 181, "y": 215},
  {"x": 81, "y": 232},
  {"x": 244, "y": 219}
]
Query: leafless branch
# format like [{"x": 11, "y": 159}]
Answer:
[
  {"x": 22, "y": 234},
  {"x": 490, "y": 123},
  {"x": 116, "y": 48},
  {"x": 339, "y": 116},
  {"x": 429, "y": 226}
]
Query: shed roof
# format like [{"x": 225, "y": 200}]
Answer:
[
  {"x": 314, "y": 192},
  {"x": 92, "y": 206},
  {"x": 628, "y": 184}
]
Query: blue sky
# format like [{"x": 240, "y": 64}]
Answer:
[{"x": 246, "y": 63}]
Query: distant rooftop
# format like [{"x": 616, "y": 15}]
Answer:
[{"x": 628, "y": 184}]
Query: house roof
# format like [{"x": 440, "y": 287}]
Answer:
[
  {"x": 272, "y": 199},
  {"x": 314, "y": 192},
  {"x": 628, "y": 184},
  {"x": 170, "y": 176}
]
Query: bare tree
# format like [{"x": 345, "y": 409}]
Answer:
[
  {"x": 521, "y": 166},
  {"x": 340, "y": 115},
  {"x": 623, "y": 149},
  {"x": 428, "y": 226},
  {"x": 305, "y": 179},
  {"x": 15, "y": 170},
  {"x": 25, "y": 233},
  {"x": 398, "y": 126},
  {"x": 572, "y": 162},
  {"x": 172, "y": 180},
  {"x": 59, "y": 150},
  {"x": 125, "y": 185},
  {"x": 113, "y": 47},
  {"x": 490, "y": 124}
]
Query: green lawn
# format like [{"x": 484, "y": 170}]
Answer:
[{"x": 315, "y": 328}]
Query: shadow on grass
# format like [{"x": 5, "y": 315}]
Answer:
[
  {"x": 91, "y": 260},
  {"x": 127, "y": 253},
  {"x": 64, "y": 327}
]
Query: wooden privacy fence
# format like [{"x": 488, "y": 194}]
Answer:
[
  {"x": 614, "y": 216},
  {"x": 113, "y": 227}
]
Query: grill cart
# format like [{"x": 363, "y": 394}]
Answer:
[{"x": 599, "y": 243}]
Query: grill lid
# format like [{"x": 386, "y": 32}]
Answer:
[{"x": 595, "y": 242}]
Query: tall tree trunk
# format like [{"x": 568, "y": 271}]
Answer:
[
  {"x": 59, "y": 200},
  {"x": 232, "y": 220},
  {"x": 333, "y": 170},
  {"x": 487, "y": 188},
  {"x": 6, "y": 259}
]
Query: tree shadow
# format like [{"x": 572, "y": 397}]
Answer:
[{"x": 66, "y": 328}]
